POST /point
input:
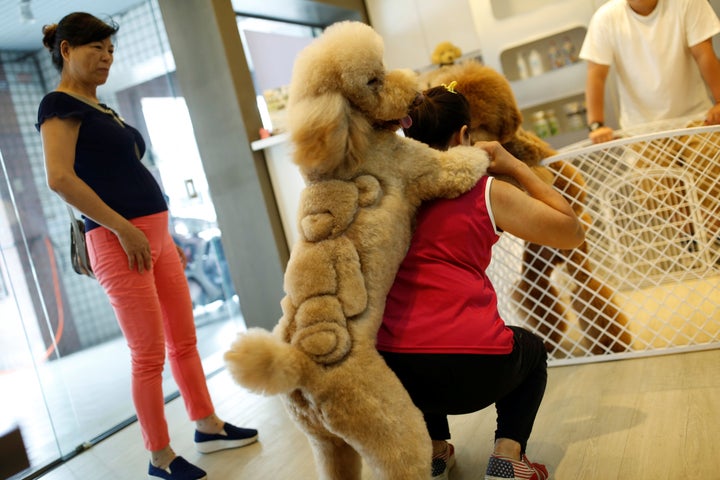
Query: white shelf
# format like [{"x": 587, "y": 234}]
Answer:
[
  {"x": 503, "y": 9},
  {"x": 550, "y": 86},
  {"x": 566, "y": 43},
  {"x": 270, "y": 141},
  {"x": 511, "y": 27},
  {"x": 533, "y": 24}
]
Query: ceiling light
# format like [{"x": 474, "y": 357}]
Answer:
[{"x": 26, "y": 15}]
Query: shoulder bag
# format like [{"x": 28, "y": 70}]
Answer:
[{"x": 78, "y": 248}]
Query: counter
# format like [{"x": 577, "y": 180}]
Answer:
[{"x": 287, "y": 183}]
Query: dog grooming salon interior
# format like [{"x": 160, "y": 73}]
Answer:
[{"x": 206, "y": 83}]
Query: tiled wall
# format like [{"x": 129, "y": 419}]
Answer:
[{"x": 25, "y": 198}]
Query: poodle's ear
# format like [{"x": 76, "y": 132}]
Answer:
[
  {"x": 499, "y": 112},
  {"x": 492, "y": 102},
  {"x": 512, "y": 118},
  {"x": 528, "y": 147},
  {"x": 326, "y": 133}
]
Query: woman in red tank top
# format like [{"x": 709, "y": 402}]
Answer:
[{"x": 442, "y": 334}]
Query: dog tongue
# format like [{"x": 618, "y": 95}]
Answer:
[{"x": 406, "y": 122}]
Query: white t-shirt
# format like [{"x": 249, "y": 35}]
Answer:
[{"x": 658, "y": 77}]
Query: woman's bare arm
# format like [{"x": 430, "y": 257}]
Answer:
[
  {"x": 539, "y": 214},
  {"x": 59, "y": 137}
]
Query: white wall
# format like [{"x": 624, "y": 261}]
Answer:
[{"x": 412, "y": 28}]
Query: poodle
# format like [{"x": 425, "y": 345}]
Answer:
[
  {"x": 355, "y": 218},
  {"x": 496, "y": 116},
  {"x": 445, "y": 53},
  {"x": 444, "y": 56}
]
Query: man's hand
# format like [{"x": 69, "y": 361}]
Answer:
[
  {"x": 602, "y": 134},
  {"x": 713, "y": 115}
]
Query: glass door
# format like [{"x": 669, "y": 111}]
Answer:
[{"x": 64, "y": 364}]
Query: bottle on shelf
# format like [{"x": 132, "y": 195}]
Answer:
[
  {"x": 535, "y": 63},
  {"x": 555, "y": 56},
  {"x": 522, "y": 67},
  {"x": 575, "y": 114},
  {"x": 552, "y": 121},
  {"x": 540, "y": 124},
  {"x": 568, "y": 53}
]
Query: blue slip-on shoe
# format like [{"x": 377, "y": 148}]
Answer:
[
  {"x": 230, "y": 437},
  {"x": 179, "y": 469}
]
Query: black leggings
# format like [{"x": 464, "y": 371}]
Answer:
[{"x": 455, "y": 384}]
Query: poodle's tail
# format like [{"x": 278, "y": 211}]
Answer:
[{"x": 263, "y": 363}]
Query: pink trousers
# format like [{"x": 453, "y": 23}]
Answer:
[{"x": 154, "y": 311}]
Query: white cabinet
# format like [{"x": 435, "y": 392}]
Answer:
[
  {"x": 513, "y": 32},
  {"x": 412, "y": 29},
  {"x": 287, "y": 182},
  {"x": 503, "y": 31},
  {"x": 535, "y": 24}
]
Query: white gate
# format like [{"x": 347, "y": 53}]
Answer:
[{"x": 647, "y": 280}]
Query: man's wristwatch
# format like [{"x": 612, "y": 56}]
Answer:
[{"x": 595, "y": 125}]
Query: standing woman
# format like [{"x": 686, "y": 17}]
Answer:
[{"x": 93, "y": 163}]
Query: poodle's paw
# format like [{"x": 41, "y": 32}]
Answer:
[
  {"x": 473, "y": 160},
  {"x": 462, "y": 167}
]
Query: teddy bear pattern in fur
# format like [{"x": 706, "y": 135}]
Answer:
[
  {"x": 495, "y": 116},
  {"x": 364, "y": 183}
]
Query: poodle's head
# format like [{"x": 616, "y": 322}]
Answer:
[
  {"x": 495, "y": 114},
  {"x": 340, "y": 92}
]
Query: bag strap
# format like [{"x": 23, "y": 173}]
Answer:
[
  {"x": 73, "y": 220},
  {"x": 78, "y": 247},
  {"x": 71, "y": 212},
  {"x": 104, "y": 109},
  {"x": 97, "y": 106}
]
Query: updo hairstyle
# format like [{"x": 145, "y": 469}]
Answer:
[
  {"x": 439, "y": 116},
  {"x": 78, "y": 29}
]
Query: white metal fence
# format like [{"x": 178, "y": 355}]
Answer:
[{"x": 647, "y": 279}]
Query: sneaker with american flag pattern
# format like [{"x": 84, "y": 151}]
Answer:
[{"x": 505, "y": 468}]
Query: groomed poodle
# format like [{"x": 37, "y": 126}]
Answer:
[
  {"x": 496, "y": 116},
  {"x": 364, "y": 184}
]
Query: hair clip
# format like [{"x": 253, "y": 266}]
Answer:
[{"x": 450, "y": 88}]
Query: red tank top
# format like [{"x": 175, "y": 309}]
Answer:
[{"x": 442, "y": 301}]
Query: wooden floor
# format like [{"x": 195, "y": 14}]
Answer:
[{"x": 647, "y": 418}]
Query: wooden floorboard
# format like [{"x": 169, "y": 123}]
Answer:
[{"x": 647, "y": 418}]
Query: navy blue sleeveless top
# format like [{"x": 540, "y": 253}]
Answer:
[{"x": 107, "y": 158}]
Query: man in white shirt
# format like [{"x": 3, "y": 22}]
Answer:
[{"x": 664, "y": 62}]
